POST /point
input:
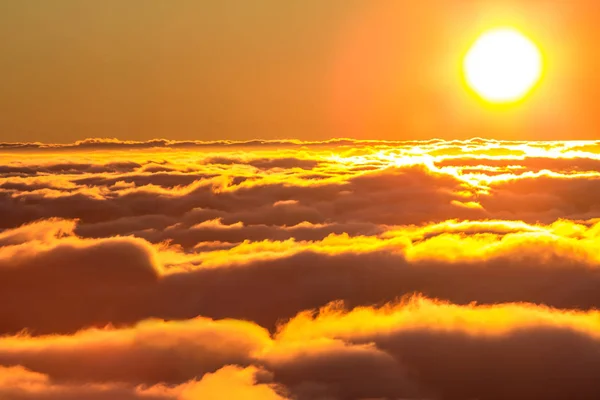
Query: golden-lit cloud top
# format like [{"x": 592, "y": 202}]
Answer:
[{"x": 299, "y": 270}]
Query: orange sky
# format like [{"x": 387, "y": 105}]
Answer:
[{"x": 283, "y": 69}]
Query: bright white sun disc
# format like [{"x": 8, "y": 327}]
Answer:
[{"x": 502, "y": 65}]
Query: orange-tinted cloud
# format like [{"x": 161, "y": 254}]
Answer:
[
  {"x": 54, "y": 281},
  {"x": 18, "y": 383},
  {"x": 179, "y": 270},
  {"x": 416, "y": 349}
]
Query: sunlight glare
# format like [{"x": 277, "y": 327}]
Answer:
[{"x": 503, "y": 66}]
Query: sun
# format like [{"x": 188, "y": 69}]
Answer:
[{"x": 503, "y": 65}]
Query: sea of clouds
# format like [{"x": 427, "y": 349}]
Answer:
[{"x": 300, "y": 270}]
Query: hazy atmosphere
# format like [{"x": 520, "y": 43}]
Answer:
[{"x": 313, "y": 70}]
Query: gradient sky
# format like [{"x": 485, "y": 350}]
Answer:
[{"x": 311, "y": 69}]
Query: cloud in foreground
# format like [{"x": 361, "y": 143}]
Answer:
[
  {"x": 416, "y": 349},
  {"x": 18, "y": 383}
]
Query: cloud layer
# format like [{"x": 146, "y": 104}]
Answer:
[{"x": 180, "y": 270}]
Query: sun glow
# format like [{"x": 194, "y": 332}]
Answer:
[{"x": 502, "y": 66}]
